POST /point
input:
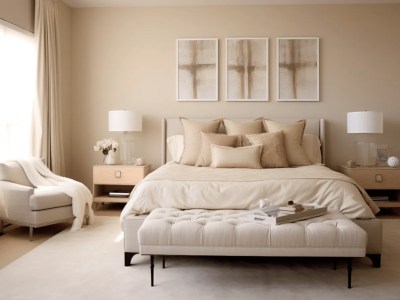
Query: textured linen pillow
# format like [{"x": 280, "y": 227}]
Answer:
[
  {"x": 192, "y": 138},
  {"x": 292, "y": 136},
  {"x": 273, "y": 152},
  {"x": 237, "y": 128},
  {"x": 241, "y": 157},
  {"x": 207, "y": 139}
]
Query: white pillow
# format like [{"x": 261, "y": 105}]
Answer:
[
  {"x": 241, "y": 157},
  {"x": 175, "y": 146},
  {"x": 312, "y": 147}
]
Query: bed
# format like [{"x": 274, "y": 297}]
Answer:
[{"x": 218, "y": 172}]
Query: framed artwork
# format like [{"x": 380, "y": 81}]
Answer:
[
  {"x": 197, "y": 69},
  {"x": 381, "y": 155},
  {"x": 298, "y": 69},
  {"x": 247, "y": 69}
]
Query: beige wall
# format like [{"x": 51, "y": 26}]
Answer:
[
  {"x": 19, "y": 12},
  {"x": 125, "y": 58}
]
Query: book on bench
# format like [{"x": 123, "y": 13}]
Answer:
[{"x": 275, "y": 215}]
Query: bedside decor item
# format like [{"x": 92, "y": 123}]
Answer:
[
  {"x": 247, "y": 69},
  {"x": 393, "y": 161},
  {"x": 298, "y": 69},
  {"x": 108, "y": 147},
  {"x": 197, "y": 69},
  {"x": 125, "y": 121},
  {"x": 365, "y": 124}
]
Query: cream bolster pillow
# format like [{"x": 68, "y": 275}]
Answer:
[
  {"x": 241, "y": 157},
  {"x": 207, "y": 139}
]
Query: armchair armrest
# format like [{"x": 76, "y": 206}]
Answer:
[{"x": 14, "y": 200}]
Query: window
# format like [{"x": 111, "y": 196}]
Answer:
[{"x": 17, "y": 91}]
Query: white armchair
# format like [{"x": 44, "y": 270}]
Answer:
[{"x": 22, "y": 204}]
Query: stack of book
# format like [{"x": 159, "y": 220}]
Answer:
[{"x": 288, "y": 213}]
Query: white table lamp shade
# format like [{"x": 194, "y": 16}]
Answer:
[
  {"x": 365, "y": 122},
  {"x": 124, "y": 120}
]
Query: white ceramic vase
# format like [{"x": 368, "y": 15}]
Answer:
[{"x": 110, "y": 158}]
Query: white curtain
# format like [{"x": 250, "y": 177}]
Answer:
[
  {"x": 47, "y": 130},
  {"x": 17, "y": 91}
]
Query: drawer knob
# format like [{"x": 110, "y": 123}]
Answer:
[
  {"x": 118, "y": 174},
  {"x": 378, "y": 178}
]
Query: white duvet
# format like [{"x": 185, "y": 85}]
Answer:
[{"x": 186, "y": 187}]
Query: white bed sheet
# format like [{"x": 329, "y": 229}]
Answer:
[{"x": 187, "y": 187}]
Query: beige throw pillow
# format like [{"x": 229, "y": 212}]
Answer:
[
  {"x": 273, "y": 152},
  {"x": 192, "y": 138},
  {"x": 292, "y": 136},
  {"x": 241, "y": 157},
  {"x": 204, "y": 159},
  {"x": 237, "y": 128}
]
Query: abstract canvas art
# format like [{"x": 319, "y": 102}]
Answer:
[
  {"x": 247, "y": 69},
  {"x": 197, "y": 69},
  {"x": 298, "y": 69}
]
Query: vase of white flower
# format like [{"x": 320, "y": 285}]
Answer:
[
  {"x": 108, "y": 147},
  {"x": 110, "y": 159}
]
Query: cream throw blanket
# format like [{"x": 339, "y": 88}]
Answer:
[{"x": 40, "y": 176}]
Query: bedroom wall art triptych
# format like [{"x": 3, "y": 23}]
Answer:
[{"x": 247, "y": 69}]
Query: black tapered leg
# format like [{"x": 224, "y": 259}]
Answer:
[
  {"x": 163, "y": 262},
  {"x": 152, "y": 269},
  {"x": 376, "y": 260},
  {"x": 349, "y": 269},
  {"x": 128, "y": 257}
]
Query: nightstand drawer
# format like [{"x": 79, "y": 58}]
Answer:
[
  {"x": 376, "y": 178},
  {"x": 119, "y": 174}
]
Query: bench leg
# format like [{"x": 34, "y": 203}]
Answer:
[
  {"x": 30, "y": 233},
  {"x": 349, "y": 269},
  {"x": 152, "y": 269},
  {"x": 128, "y": 257},
  {"x": 163, "y": 262}
]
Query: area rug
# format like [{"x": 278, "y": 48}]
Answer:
[{"x": 88, "y": 264}]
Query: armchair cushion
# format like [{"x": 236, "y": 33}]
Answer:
[{"x": 47, "y": 198}]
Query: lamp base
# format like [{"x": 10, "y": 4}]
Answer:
[{"x": 366, "y": 153}]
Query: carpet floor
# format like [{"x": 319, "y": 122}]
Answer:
[{"x": 89, "y": 265}]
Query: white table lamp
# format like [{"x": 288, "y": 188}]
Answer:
[
  {"x": 125, "y": 121},
  {"x": 365, "y": 124}
]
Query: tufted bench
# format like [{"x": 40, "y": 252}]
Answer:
[{"x": 170, "y": 231}]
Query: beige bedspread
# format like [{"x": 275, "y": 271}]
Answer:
[{"x": 186, "y": 187}]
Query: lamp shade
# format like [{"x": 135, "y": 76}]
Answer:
[
  {"x": 124, "y": 120},
  {"x": 365, "y": 122}
]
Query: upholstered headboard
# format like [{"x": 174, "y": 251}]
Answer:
[{"x": 172, "y": 126}]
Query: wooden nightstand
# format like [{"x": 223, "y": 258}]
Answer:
[
  {"x": 116, "y": 179},
  {"x": 381, "y": 183}
]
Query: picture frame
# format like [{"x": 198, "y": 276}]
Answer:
[
  {"x": 382, "y": 155},
  {"x": 247, "y": 69},
  {"x": 298, "y": 69},
  {"x": 197, "y": 69}
]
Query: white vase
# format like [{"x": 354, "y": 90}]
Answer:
[{"x": 110, "y": 159}]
